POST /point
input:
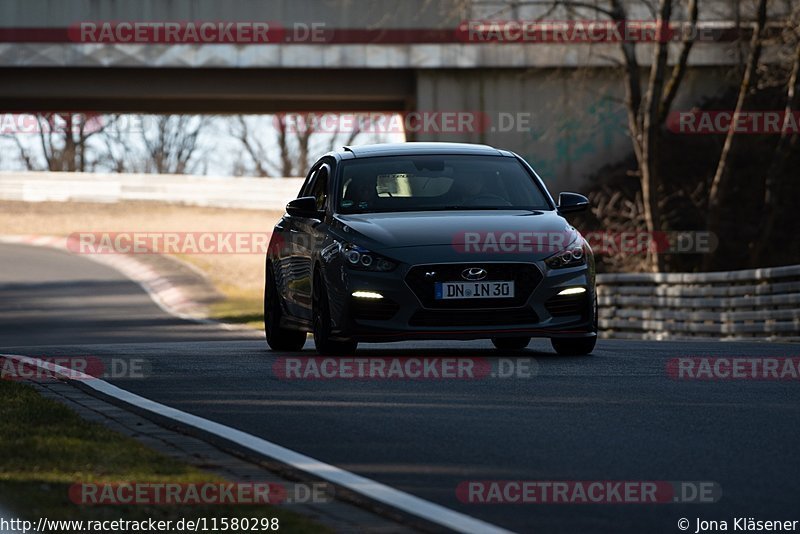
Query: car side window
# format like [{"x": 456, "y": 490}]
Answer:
[
  {"x": 305, "y": 191},
  {"x": 319, "y": 189}
]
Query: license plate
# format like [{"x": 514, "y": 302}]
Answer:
[{"x": 474, "y": 290}]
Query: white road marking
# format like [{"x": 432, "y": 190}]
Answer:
[{"x": 371, "y": 489}]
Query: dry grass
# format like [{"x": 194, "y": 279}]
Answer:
[
  {"x": 46, "y": 448},
  {"x": 238, "y": 276}
]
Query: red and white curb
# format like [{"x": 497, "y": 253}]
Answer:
[
  {"x": 166, "y": 295},
  {"x": 368, "y": 488}
]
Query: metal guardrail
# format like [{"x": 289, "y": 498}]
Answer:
[
  {"x": 748, "y": 304},
  {"x": 213, "y": 191}
]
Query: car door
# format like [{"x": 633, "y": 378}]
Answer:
[
  {"x": 310, "y": 236},
  {"x": 292, "y": 257}
]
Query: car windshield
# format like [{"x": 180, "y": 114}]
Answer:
[{"x": 423, "y": 183}]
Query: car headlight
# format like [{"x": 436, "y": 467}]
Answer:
[
  {"x": 359, "y": 258},
  {"x": 571, "y": 256}
]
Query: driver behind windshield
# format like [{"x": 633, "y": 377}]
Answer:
[
  {"x": 471, "y": 188},
  {"x": 359, "y": 194}
]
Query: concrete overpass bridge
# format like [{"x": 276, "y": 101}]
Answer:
[{"x": 338, "y": 55}]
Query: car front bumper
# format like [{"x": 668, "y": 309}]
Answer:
[{"x": 402, "y": 315}]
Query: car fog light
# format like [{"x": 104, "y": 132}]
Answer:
[
  {"x": 572, "y": 291},
  {"x": 367, "y": 295}
]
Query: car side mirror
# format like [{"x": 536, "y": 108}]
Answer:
[
  {"x": 572, "y": 202},
  {"x": 304, "y": 207}
]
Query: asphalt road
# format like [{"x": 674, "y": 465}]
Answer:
[{"x": 615, "y": 415}]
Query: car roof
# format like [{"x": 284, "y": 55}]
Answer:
[{"x": 417, "y": 148}]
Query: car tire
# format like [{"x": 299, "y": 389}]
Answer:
[
  {"x": 320, "y": 312},
  {"x": 573, "y": 346},
  {"x": 278, "y": 338},
  {"x": 578, "y": 346},
  {"x": 510, "y": 343}
]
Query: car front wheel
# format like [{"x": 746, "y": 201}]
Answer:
[
  {"x": 278, "y": 338},
  {"x": 320, "y": 311},
  {"x": 578, "y": 346}
]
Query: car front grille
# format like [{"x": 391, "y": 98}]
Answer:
[
  {"x": 526, "y": 277},
  {"x": 521, "y": 316}
]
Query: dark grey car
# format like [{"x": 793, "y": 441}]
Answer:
[{"x": 394, "y": 242}]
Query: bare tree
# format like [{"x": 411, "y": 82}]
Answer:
[
  {"x": 252, "y": 145},
  {"x": 171, "y": 146},
  {"x": 62, "y": 142},
  {"x": 646, "y": 111},
  {"x": 617, "y": 213},
  {"x": 297, "y": 140},
  {"x": 786, "y": 144},
  {"x": 720, "y": 182},
  {"x": 649, "y": 100},
  {"x": 283, "y": 144},
  {"x": 161, "y": 144},
  {"x": 119, "y": 154}
]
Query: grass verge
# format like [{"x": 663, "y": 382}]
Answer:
[
  {"x": 46, "y": 448},
  {"x": 241, "y": 306}
]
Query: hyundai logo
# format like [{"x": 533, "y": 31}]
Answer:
[{"x": 474, "y": 273}]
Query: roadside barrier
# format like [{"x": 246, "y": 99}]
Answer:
[
  {"x": 213, "y": 191},
  {"x": 749, "y": 304}
]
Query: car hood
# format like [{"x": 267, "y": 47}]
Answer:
[{"x": 479, "y": 231}]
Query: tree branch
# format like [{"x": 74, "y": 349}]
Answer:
[{"x": 679, "y": 69}]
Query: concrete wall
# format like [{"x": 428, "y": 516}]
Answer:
[
  {"x": 337, "y": 13},
  {"x": 577, "y": 119},
  {"x": 218, "y": 192}
]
